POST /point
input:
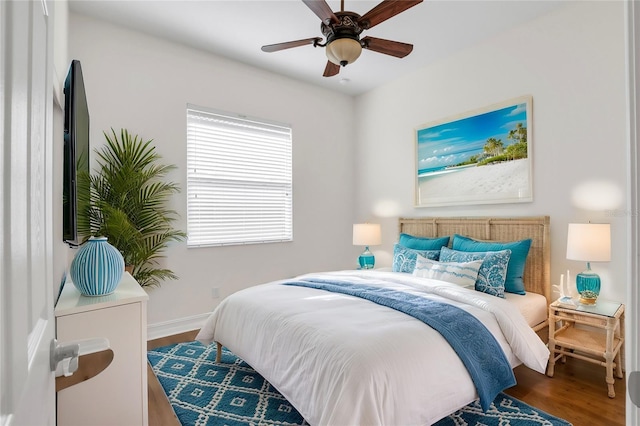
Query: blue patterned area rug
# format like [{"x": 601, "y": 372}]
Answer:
[{"x": 231, "y": 393}]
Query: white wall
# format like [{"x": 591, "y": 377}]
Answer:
[
  {"x": 572, "y": 62},
  {"x": 143, "y": 84}
]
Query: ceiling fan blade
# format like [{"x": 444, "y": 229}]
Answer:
[
  {"x": 322, "y": 10},
  {"x": 388, "y": 47},
  {"x": 290, "y": 44},
  {"x": 331, "y": 69},
  {"x": 385, "y": 10}
]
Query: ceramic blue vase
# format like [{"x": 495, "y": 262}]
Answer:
[{"x": 97, "y": 268}]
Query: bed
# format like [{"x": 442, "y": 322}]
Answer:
[{"x": 342, "y": 360}]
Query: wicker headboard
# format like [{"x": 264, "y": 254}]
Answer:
[{"x": 537, "y": 273}]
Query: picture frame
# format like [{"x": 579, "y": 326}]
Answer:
[{"x": 479, "y": 157}]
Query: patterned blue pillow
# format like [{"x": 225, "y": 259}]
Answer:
[
  {"x": 404, "y": 259},
  {"x": 422, "y": 243},
  {"x": 492, "y": 273}
]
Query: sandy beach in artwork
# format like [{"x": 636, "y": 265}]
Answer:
[{"x": 509, "y": 179}]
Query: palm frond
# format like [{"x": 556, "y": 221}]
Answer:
[
  {"x": 148, "y": 277},
  {"x": 127, "y": 203}
]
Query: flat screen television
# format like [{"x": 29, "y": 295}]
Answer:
[{"x": 76, "y": 149}]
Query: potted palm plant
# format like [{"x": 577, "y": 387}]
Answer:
[{"x": 127, "y": 203}]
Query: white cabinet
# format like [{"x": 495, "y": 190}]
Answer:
[{"x": 118, "y": 395}]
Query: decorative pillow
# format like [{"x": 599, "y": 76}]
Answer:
[
  {"x": 404, "y": 259},
  {"x": 492, "y": 273},
  {"x": 464, "y": 274},
  {"x": 519, "y": 252},
  {"x": 421, "y": 243}
]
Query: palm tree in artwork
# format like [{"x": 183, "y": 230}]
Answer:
[
  {"x": 493, "y": 147},
  {"x": 519, "y": 134}
]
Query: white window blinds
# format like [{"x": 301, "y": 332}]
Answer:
[{"x": 239, "y": 183}]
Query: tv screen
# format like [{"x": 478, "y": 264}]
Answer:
[{"x": 76, "y": 148}]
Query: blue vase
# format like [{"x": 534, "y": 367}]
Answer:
[
  {"x": 366, "y": 259},
  {"x": 97, "y": 268},
  {"x": 588, "y": 285}
]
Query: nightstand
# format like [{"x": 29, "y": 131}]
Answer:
[
  {"x": 591, "y": 333},
  {"x": 121, "y": 317}
]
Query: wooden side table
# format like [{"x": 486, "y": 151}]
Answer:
[{"x": 604, "y": 348}]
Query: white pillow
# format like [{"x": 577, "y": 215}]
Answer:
[{"x": 463, "y": 274}]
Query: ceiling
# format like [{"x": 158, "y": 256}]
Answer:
[{"x": 236, "y": 29}]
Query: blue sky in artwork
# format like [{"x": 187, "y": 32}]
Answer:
[{"x": 453, "y": 142}]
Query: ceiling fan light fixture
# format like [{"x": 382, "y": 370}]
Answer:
[{"x": 343, "y": 51}]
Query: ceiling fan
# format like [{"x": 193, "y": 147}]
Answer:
[{"x": 342, "y": 33}]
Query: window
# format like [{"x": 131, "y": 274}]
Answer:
[{"x": 239, "y": 183}]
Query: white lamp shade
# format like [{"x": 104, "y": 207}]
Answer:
[
  {"x": 366, "y": 234},
  {"x": 343, "y": 49},
  {"x": 589, "y": 242}
]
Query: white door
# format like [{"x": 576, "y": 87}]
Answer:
[{"x": 27, "y": 386}]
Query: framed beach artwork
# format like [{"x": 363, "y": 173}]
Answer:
[{"x": 481, "y": 157}]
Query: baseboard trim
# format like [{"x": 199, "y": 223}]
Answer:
[{"x": 177, "y": 326}]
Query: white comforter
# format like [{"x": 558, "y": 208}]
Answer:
[{"x": 341, "y": 360}]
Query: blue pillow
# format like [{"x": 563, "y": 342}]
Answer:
[
  {"x": 404, "y": 259},
  {"x": 420, "y": 243},
  {"x": 519, "y": 252},
  {"x": 492, "y": 273}
]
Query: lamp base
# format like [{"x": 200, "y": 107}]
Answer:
[
  {"x": 366, "y": 259},
  {"x": 588, "y": 285},
  {"x": 585, "y": 300}
]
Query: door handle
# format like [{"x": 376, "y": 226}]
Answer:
[
  {"x": 64, "y": 357},
  {"x": 67, "y": 354}
]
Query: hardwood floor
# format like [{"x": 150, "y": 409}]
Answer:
[
  {"x": 576, "y": 393},
  {"x": 160, "y": 411}
]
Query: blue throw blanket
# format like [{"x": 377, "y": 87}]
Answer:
[{"x": 475, "y": 345}]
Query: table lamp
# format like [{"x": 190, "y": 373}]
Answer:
[
  {"x": 366, "y": 234},
  {"x": 589, "y": 242}
]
